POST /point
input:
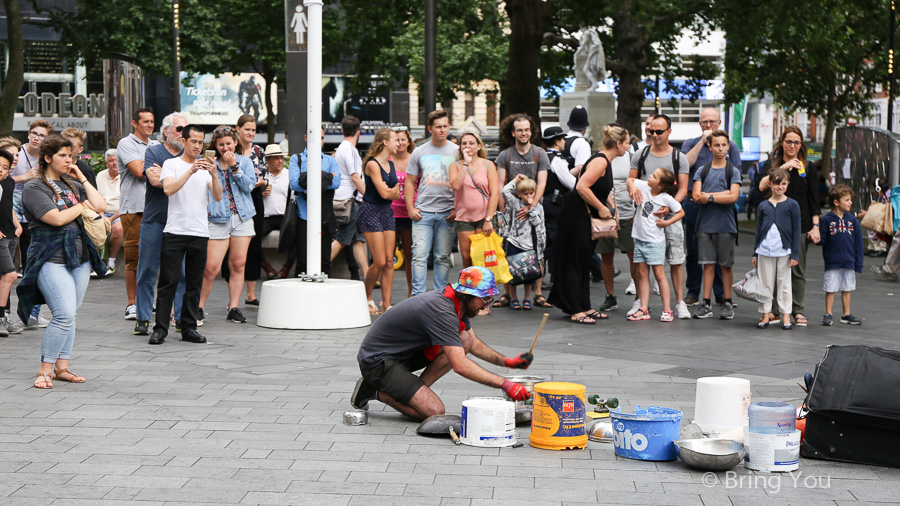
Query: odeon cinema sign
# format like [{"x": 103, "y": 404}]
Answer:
[{"x": 62, "y": 110}]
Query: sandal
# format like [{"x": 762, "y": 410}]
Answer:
[
  {"x": 373, "y": 309},
  {"x": 503, "y": 302},
  {"x": 526, "y": 305},
  {"x": 787, "y": 326},
  {"x": 597, "y": 315},
  {"x": 74, "y": 378},
  {"x": 667, "y": 316},
  {"x": 639, "y": 315},
  {"x": 541, "y": 301},
  {"x": 43, "y": 379},
  {"x": 583, "y": 320},
  {"x": 800, "y": 320},
  {"x": 514, "y": 304}
]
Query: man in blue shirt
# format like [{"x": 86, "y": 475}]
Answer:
[
  {"x": 331, "y": 179},
  {"x": 699, "y": 156}
]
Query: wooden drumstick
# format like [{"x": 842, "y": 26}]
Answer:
[{"x": 543, "y": 321}]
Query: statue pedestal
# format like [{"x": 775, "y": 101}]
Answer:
[{"x": 601, "y": 108}]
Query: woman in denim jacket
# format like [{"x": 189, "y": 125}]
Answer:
[{"x": 230, "y": 220}]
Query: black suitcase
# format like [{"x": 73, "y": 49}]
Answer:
[{"x": 854, "y": 407}]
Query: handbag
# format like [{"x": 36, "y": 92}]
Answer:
[
  {"x": 487, "y": 252},
  {"x": 96, "y": 226},
  {"x": 288, "y": 232},
  {"x": 601, "y": 228},
  {"x": 752, "y": 288},
  {"x": 525, "y": 267},
  {"x": 342, "y": 210}
]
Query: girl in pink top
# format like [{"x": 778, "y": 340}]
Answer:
[
  {"x": 401, "y": 215},
  {"x": 477, "y": 186}
]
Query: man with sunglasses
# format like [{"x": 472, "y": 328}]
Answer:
[
  {"x": 156, "y": 208},
  {"x": 661, "y": 154},
  {"x": 699, "y": 156},
  {"x": 433, "y": 332}
]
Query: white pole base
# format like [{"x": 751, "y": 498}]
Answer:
[{"x": 305, "y": 305}]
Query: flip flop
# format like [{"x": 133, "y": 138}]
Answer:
[
  {"x": 583, "y": 320},
  {"x": 514, "y": 304},
  {"x": 503, "y": 302},
  {"x": 800, "y": 320},
  {"x": 541, "y": 301},
  {"x": 597, "y": 315}
]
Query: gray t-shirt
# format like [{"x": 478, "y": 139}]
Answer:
[
  {"x": 716, "y": 218},
  {"x": 38, "y": 199},
  {"x": 529, "y": 164},
  {"x": 412, "y": 324},
  {"x": 431, "y": 164},
  {"x": 654, "y": 162},
  {"x": 131, "y": 189}
]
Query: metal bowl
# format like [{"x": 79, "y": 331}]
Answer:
[
  {"x": 710, "y": 454},
  {"x": 356, "y": 417},
  {"x": 601, "y": 430},
  {"x": 526, "y": 381}
]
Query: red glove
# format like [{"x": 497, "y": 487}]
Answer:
[
  {"x": 520, "y": 362},
  {"x": 515, "y": 391}
]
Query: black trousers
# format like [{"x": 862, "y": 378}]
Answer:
[
  {"x": 175, "y": 249},
  {"x": 301, "y": 249},
  {"x": 254, "y": 251}
]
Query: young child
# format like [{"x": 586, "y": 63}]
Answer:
[
  {"x": 842, "y": 247},
  {"x": 650, "y": 237},
  {"x": 716, "y": 188},
  {"x": 777, "y": 247},
  {"x": 521, "y": 234},
  {"x": 10, "y": 229}
]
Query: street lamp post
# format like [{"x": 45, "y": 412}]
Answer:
[
  {"x": 430, "y": 94},
  {"x": 890, "y": 109},
  {"x": 176, "y": 64}
]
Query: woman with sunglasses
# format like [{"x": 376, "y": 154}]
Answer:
[
  {"x": 402, "y": 222},
  {"x": 246, "y": 127},
  {"x": 230, "y": 220},
  {"x": 790, "y": 154}
]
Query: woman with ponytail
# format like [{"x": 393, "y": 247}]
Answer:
[{"x": 60, "y": 256}]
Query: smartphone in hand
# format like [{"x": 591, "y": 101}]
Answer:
[{"x": 210, "y": 155}]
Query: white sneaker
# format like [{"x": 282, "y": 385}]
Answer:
[
  {"x": 634, "y": 307},
  {"x": 631, "y": 290},
  {"x": 655, "y": 288},
  {"x": 681, "y": 311},
  {"x": 131, "y": 312}
]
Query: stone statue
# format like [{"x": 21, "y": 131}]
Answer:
[{"x": 590, "y": 61}]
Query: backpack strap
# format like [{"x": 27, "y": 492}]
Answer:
[{"x": 643, "y": 158}]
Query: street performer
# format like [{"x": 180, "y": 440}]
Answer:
[{"x": 431, "y": 331}]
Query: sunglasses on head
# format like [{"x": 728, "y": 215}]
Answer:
[
  {"x": 657, "y": 132},
  {"x": 401, "y": 129},
  {"x": 223, "y": 130}
]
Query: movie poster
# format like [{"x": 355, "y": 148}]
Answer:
[{"x": 220, "y": 100}]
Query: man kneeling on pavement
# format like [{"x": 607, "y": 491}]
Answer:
[{"x": 431, "y": 331}]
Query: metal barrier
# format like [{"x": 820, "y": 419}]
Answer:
[{"x": 864, "y": 154}]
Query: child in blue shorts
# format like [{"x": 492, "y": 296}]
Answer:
[
  {"x": 842, "y": 247},
  {"x": 653, "y": 199}
]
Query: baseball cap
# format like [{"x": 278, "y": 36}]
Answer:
[{"x": 477, "y": 281}]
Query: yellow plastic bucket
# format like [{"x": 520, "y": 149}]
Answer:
[{"x": 557, "y": 422}]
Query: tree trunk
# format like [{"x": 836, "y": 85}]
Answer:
[
  {"x": 15, "y": 76},
  {"x": 631, "y": 46},
  {"x": 828, "y": 140},
  {"x": 527, "y": 22},
  {"x": 269, "y": 77}
]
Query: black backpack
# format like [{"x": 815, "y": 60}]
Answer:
[
  {"x": 728, "y": 169},
  {"x": 567, "y": 150},
  {"x": 646, "y": 152}
]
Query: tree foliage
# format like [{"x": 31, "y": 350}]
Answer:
[{"x": 829, "y": 67}]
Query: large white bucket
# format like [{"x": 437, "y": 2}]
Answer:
[
  {"x": 721, "y": 404},
  {"x": 488, "y": 421}
]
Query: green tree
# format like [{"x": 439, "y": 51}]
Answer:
[
  {"x": 828, "y": 66},
  {"x": 15, "y": 72}
]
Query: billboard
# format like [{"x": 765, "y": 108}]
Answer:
[{"x": 220, "y": 100}]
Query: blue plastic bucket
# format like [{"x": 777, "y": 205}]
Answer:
[{"x": 648, "y": 434}]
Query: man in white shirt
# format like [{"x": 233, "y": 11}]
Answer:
[
  {"x": 275, "y": 201},
  {"x": 188, "y": 181},
  {"x": 352, "y": 187},
  {"x": 108, "y": 186}
]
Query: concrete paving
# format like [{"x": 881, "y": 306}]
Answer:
[{"x": 255, "y": 415}]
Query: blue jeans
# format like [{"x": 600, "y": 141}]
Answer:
[
  {"x": 148, "y": 267},
  {"x": 63, "y": 290},
  {"x": 693, "y": 270},
  {"x": 432, "y": 229}
]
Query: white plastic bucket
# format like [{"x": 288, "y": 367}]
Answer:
[
  {"x": 721, "y": 404},
  {"x": 488, "y": 421}
]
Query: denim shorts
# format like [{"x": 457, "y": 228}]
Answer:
[
  {"x": 650, "y": 253},
  {"x": 8, "y": 254},
  {"x": 234, "y": 227}
]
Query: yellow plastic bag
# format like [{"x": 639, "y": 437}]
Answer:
[{"x": 487, "y": 251}]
